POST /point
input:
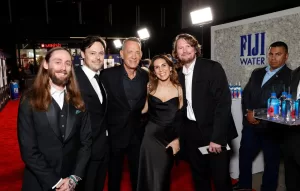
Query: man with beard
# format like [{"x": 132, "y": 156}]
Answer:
[
  {"x": 208, "y": 115},
  {"x": 54, "y": 130},
  {"x": 94, "y": 96},
  {"x": 126, "y": 87}
]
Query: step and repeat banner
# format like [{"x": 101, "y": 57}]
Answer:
[{"x": 243, "y": 45}]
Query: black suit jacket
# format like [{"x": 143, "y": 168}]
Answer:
[
  {"x": 295, "y": 82},
  {"x": 211, "y": 102},
  {"x": 123, "y": 121},
  {"x": 98, "y": 120},
  {"x": 256, "y": 96},
  {"x": 47, "y": 156}
]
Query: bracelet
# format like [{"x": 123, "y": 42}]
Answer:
[{"x": 73, "y": 179}]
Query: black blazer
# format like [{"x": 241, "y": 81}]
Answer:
[
  {"x": 46, "y": 155},
  {"x": 256, "y": 96},
  {"x": 295, "y": 82},
  {"x": 123, "y": 121},
  {"x": 98, "y": 119},
  {"x": 211, "y": 102}
]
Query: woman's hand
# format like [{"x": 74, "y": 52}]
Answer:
[{"x": 175, "y": 146}]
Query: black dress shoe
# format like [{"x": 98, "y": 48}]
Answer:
[
  {"x": 237, "y": 187},
  {"x": 242, "y": 189}
]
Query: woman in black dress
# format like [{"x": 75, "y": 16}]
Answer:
[{"x": 160, "y": 143}]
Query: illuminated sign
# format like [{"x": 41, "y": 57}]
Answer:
[
  {"x": 252, "y": 49},
  {"x": 50, "y": 45}
]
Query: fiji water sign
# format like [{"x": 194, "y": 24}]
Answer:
[{"x": 252, "y": 49}]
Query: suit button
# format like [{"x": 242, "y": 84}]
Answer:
[{"x": 63, "y": 145}]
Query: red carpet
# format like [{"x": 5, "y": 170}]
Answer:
[{"x": 11, "y": 165}]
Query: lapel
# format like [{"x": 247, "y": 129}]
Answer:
[
  {"x": 182, "y": 82},
  {"x": 194, "y": 86},
  {"x": 52, "y": 118},
  {"x": 275, "y": 76},
  {"x": 70, "y": 120},
  {"x": 86, "y": 85},
  {"x": 106, "y": 98},
  {"x": 120, "y": 87},
  {"x": 295, "y": 83}
]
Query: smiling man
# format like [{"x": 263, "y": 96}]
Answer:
[
  {"x": 208, "y": 116},
  {"x": 54, "y": 130},
  {"x": 126, "y": 87},
  {"x": 95, "y": 99}
]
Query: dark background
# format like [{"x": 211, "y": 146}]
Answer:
[{"x": 27, "y": 20}]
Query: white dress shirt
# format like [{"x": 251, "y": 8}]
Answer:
[
  {"x": 58, "y": 96},
  {"x": 188, "y": 73},
  {"x": 91, "y": 76}
]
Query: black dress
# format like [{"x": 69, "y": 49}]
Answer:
[{"x": 155, "y": 163}]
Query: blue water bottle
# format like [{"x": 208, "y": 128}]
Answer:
[
  {"x": 273, "y": 107},
  {"x": 289, "y": 108},
  {"x": 282, "y": 104},
  {"x": 296, "y": 107},
  {"x": 240, "y": 90}
]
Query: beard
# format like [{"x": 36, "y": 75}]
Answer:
[
  {"x": 59, "y": 81},
  {"x": 187, "y": 60}
]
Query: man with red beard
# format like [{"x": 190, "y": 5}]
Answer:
[
  {"x": 54, "y": 131},
  {"x": 207, "y": 122}
]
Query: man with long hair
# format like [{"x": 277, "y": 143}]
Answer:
[
  {"x": 126, "y": 87},
  {"x": 54, "y": 130},
  {"x": 207, "y": 123},
  {"x": 95, "y": 99}
]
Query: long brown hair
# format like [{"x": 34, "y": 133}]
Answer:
[
  {"x": 39, "y": 94},
  {"x": 153, "y": 80}
]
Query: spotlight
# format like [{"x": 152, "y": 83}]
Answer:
[
  {"x": 117, "y": 43},
  {"x": 201, "y": 16}
]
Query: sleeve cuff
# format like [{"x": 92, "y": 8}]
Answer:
[{"x": 57, "y": 183}]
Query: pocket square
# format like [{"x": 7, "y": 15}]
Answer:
[{"x": 78, "y": 111}]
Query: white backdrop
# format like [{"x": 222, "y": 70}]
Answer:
[{"x": 230, "y": 42}]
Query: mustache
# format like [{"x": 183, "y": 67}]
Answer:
[{"x": 61, "y": 71}]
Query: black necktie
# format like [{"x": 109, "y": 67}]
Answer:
[{"x": 97, "y": 77}]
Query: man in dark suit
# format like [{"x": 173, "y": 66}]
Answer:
[
  {"x": 257, "y": 135},
  {"x": 208, "y": 113},
  {"x": 292, "y": 143},
  {"x": 54, "y": 130},
  {"x": 126, "y": 87},
  {"x": 95, "y": 99}
]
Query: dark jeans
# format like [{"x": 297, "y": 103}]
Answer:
[{"x": 251, "y": 143}]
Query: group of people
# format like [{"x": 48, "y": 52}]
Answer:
[{"x": 75, "y": 124}]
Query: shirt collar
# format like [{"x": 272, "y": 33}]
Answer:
[
  {"x": 138, "y": 70},
  {"x": 53, "y": 90},
  {"x": 186, "y": 71},
  {"x": 90, "y": 73},
  {"x": 273, "y": 71}
]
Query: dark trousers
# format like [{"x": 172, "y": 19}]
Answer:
[
  {"x": 251, "y": 143},
  {"x": 292, "y": 159},
  {"x": 116, "y": 165},
  {"x": 95, "y": 175},
  {"x": 205, "y": 168}
]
